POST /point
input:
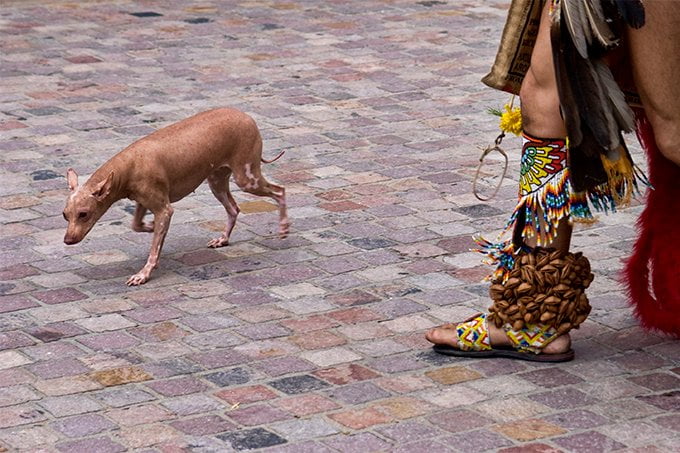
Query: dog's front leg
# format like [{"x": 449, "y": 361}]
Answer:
[
  {"x": 161, "y": 225},
  {"x": 138, "y": 223}
]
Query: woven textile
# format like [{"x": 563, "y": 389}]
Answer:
[
  {"x": 532, "y": 338},
  {"x": 517, "y": 44},
  {"x": 473, "y": 335}
]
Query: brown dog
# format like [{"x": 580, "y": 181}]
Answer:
[{"x": 166, "y": 166}]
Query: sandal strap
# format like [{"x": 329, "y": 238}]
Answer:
[
  {"x": 531, "y": 338},
  {"x": 473, "y": 334}
]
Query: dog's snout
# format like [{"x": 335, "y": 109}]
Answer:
[{"x": 70, "y": 240}]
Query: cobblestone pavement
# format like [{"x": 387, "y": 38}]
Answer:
[{"x": 313, "y": 343}]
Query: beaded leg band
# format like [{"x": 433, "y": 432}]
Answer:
[
  {"x": 547, "y": 195},
  {"x": 545, "y": 292},
  {"x": 545, "y": 198},
  {"x": 538, "y": 294}
]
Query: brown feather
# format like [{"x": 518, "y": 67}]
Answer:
[
  {"x": 598, "y": 27},
  {"x": 621, "y": 110}
]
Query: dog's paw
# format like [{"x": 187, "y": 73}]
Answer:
[
  {"x": 138, "y": 279},
  {"x": 143, "y": 228},
  {"x": 284, "y": 229},
  {"x": 219, "y": 242}
]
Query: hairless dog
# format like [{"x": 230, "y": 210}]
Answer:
[{"x": 166, "y": 166}]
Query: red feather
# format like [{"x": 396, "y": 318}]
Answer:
[{"x": 652, "y": 273}]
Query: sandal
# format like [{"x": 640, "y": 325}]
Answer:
[{"x": 473, "y": 341}]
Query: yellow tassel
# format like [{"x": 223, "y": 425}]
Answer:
[
  {"x": 586, "y": 221},
  {"x": 621, "y": 178}
]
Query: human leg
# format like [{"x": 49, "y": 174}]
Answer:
[
  {"x": 651, "y": 271},
  {"x": 540, "y": 118},
  {"x": 538, "y": 94},
  {"x": 655, "y": 63}
]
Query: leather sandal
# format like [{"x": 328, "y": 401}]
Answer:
[{"x": 527, "y": 343}]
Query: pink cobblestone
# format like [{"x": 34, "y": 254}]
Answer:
[{"x": 312, "y": 343}]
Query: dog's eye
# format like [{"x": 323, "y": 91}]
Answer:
[{"x": 82, "y": 215}]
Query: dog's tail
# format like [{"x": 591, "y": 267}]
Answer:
[{"x": 274, "y": 159}]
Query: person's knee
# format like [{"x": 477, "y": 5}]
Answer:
[
  {"x": 531, "y": 87},
  {"x": 527, "y": 91},
  {"x": 540, "y": 107},
  {"x": 667, "y": 136}
]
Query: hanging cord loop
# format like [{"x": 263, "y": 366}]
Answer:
[
  {"x": 488, "y": 150},
  {"x": 511, "y": 121}
]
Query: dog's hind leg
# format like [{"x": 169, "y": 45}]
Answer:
[
  {"x": 138, "y": 223},
  {"x": 250, "y": 179},
  {"x": 219, "y": 185}
]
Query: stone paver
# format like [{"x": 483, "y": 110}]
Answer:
[{"x": 313, "y": 343}]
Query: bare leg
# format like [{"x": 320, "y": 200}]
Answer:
[
  {"x": 540, "y": 102},
  {"x": 219, "y": 185},
  {"x": 162, "y": 216},
  {"x": 655, "y": 58},
  {"x": 541, "y": 108},
  {"x": 540, "y": 117},
  {"x": 279, "y": 194},
  {"x": 138, "y": 220},
  {"x": 250, "y": 180}
]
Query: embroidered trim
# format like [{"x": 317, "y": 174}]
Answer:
[
  {"x": 532, "y": 338},
  {"x": 545, "y": 197},
  {"x": 473, "y": 335}
]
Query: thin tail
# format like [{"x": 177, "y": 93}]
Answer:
[{"x": 274, "y": 159}]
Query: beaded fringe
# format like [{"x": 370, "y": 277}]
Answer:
[{"x": 544, "y": 208}]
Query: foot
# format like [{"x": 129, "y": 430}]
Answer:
[
  {"x": 284, "y": 229},
  {"x": 219, "y": 242},
  {"x": 146, "y": 227},
  {"x": 447, "y": 335},
  {"x": 138, "y": 279}
]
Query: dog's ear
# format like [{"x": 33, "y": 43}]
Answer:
[
  {"x": 103, "y": 188},
  {"x": 72, "y": 179}
]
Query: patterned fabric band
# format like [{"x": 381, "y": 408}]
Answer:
[
  {"x": 542, "y": 160},
  {"x": 532, "y": 338},
  {"x": 473, "y": 335},
  {"x": 545, "y": 198}
]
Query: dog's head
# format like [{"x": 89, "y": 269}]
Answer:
[{"x": 84, "y": 206}]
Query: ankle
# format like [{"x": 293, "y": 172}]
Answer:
[{"x": 559, "y": 344}]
